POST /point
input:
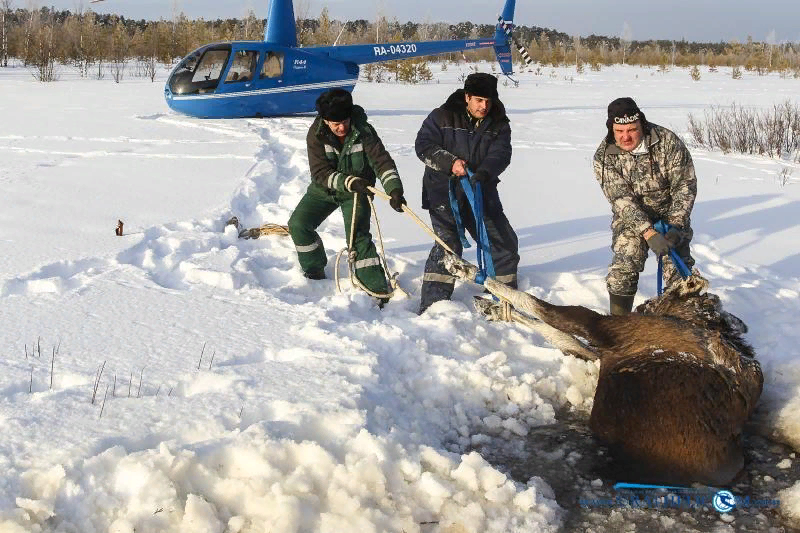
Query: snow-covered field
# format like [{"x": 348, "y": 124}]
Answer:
[{"x": 178, "y": 379}]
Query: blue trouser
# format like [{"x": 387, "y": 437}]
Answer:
[{"x": 437, "y": 283}]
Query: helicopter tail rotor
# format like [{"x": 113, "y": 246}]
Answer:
[{"x": 507, "y": 27}]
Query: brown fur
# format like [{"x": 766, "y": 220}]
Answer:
[{"x": 677, "y": 381}]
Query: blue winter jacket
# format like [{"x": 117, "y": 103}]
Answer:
[{"x": 448, "y": 134}]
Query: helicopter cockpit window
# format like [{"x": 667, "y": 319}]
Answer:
[
  {"x": 273, "y": 65},
  {"x": 243, "y": 66},
  {"x": 210, "y": 66},
  {"x": 199, "y": 72}
]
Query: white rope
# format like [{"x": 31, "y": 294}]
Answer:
[
  {"x": 407, "y": 210},
  {"x": 351, "y": 255},
  {"x": 392, "y": 278}
]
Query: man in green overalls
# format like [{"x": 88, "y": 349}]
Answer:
[{"x": 345, "y": 156}]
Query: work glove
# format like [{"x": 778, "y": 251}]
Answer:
[
  {"x": 481, "y": 176},
  {"x": 397, "y": 200},
  {"x": 674, "y": 237},
  {"x": 359, "y": 185},
  {"x": 658, "y": 244}
]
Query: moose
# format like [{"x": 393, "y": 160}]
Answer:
[{"x": 677, "y": 381}]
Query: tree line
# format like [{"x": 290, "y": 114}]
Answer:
[{"x": 96, "y": 44}]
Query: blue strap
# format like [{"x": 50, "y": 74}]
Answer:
[
  {"x": 475, "y": 199},
  {"x": 457, "y": 215},
  {"x": 662, "y": 227},
  {"x": 485, "y": 263}
]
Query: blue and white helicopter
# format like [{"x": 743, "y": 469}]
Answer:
[{"x": 274, "y": 77}]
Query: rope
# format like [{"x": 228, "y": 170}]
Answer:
[
  {"x": 351, "y": 256},
  {"x": 407, "y": 210},
  {"x": 255, "y": 233},
  {"x": 662, "y": 227}
]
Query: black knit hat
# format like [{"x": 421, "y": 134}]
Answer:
[
  {"x": 335, "y": 105},
  {"x": 624, "y": 111},
  {"x": 481, "y": 84}
]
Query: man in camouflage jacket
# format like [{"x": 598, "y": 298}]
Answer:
[
  {"x": 647, "y": 175},
  {"x": 345, "y": 156}
]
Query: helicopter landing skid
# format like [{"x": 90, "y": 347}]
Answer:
[{"x": 515, "y": 82}]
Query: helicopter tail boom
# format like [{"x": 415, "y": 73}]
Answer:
[
  {"x": 361, "y": 54},
  {"x": 372, "y": 53}
]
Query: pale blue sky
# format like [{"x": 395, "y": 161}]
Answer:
[{"x": 698, "y": 20}]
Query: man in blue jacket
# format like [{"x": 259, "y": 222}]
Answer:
[{"x": 470, "y": 130}]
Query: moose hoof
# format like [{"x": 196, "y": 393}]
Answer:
[{"x": 459, "y": 268}]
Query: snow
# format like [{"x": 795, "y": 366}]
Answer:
[{"x": 237, "y": 396}]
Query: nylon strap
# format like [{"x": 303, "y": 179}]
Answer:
[
  {"x": 475, "y": 199},
  {"x": 662, "y": 227},
  {"x": 457, "y": 215}
]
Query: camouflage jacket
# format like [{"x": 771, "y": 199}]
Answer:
[
  {"x": 361, "y": 154},
  {"x": 647, "y": 185}
]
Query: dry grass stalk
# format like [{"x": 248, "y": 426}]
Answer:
[
  {"x": 97, "y": 381},
  {"x": 104, "y": 403}
]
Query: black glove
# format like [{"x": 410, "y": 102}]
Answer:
[
  {"x": 481, "y": 176},
  {"x": 359, "y": 185},
  {"x": 397, "y": 200},
  {"x": 674, "y": 237},
  {"x": 658, "y": 244}
]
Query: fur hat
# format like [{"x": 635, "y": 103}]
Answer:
[
  {"x": 481, "y": 84},
  {"x": 335, "y": 105},
  {"x": 624, "y": 111}
]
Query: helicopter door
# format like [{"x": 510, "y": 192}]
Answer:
[
  {"x": 243, "y": 66},
  {"x": 273, "y": 66}
]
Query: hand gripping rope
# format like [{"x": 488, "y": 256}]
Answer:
[
  {"x": 475, "y": 198},
  {"x": 662, "y": 227}
]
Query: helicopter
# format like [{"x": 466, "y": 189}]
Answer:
[{"x": 275, "y": 77}]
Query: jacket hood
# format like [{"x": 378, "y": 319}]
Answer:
[{"x": 456, "y": 102}]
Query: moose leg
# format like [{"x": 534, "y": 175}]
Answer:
[{"x": 525, "y": 309}]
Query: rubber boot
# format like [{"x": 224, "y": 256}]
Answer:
[
  {"x": 315, "y": 274},
  {"x": 620, "y": 305}
]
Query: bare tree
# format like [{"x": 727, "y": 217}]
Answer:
[
  {"x": 31, "y": 7},
  {"x": 42, "y": 50},
  {"x": 5, "y": 14},
  {"x": 771, "y": 45},
  {"x": 625, "y": 39},
  {"x": 120, "y": 42}
]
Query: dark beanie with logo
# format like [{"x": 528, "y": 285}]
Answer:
[
  {"x": 481, "y": 84},
  {"x": 624, "y": 111},
  {"x": 335, "y": 105}
]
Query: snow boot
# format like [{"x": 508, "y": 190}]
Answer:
[
  {"x": 315, "y": 274},
  {"x": 620, "y": 305}
]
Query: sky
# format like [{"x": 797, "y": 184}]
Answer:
[{"x": 694, "y": 20}]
